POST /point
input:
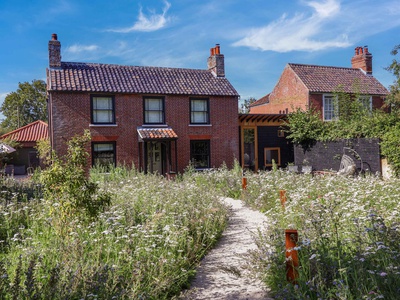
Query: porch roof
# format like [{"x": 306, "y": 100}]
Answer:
[
  {"x": 156, "y": 133},
  {"x": 263, "y": 118}
]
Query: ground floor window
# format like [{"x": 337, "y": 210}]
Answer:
[
  {"x": 200, "y": 153},
  {"x": 272, "y": 154},
  {"x": 103, "y": 154}
]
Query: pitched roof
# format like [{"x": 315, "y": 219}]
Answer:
[
  {"x": 261, "y": 101},
  {"x": 156, "y": 133},
  {"x": 92, "y": 77},
  {"x": 322, "y": 79},
  {"x": 32, "y": 132}
]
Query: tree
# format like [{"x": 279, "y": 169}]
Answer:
[
  {"x": 393, "y": 100},
  {"x": 26, "y": 105},
  {"x": 245, "y": 106}
]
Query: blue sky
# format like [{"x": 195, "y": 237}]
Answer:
[{"x": 257, "y": 37}]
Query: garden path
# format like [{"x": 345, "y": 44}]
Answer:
[{"x": 223, "y": 273}]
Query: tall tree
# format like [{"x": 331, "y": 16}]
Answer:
[
  {"x": 26, "y": 105},
  {"x": 394, "y": 98}
]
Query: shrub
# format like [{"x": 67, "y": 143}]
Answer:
[{"x": 66, "y": 184}]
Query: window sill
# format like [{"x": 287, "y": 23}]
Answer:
[
  {"x": 200, "y": 125},
  {"x": 154, "y": 125},
  {"x": 103, "y": 125}
]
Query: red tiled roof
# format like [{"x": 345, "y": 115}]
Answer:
[
  {"x": 322, "y": 79},
  {"x": 261, "y": 101},
  {"x": 32, "y": 132},
  {"x": 156, "y": 133},
  {"x": 91, "y": 77}
]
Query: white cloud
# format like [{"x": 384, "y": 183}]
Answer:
[
  {"x": 81, "y": 48},
  {"x": 301, "y": 32},
  {"x": 325, "y": 9},
  {"x": 151, "y": 22}
]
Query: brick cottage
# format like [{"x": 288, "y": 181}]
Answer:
[
  {"x": 158, "y": 119},
  {"x": 303, "y": 86}
]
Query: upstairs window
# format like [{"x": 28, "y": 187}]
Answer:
[
  {"x": 199, "y": 111},
  {"x": 154, "y": 110},
  {"x": 103, "y": 110},
  {"x": 330, "y": 107}
]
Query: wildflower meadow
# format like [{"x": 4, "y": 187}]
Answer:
[
  {"x": 147, "y": 241},
  {"x": 145, "y": 245},
  {"x": 348, "y": 235}
]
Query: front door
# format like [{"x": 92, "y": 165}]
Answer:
[{"x": 155, "y": 157}]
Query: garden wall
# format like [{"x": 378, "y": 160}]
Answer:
[{"x": 328, "y": 155}]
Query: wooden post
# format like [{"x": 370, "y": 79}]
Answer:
[
  {"x": 292, "y": 258},
  {"x": 282, "y": 196},
  {"x": 244, "y": 183}
]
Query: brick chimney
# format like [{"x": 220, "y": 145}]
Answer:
[
  {"x": 54, "y": 52},
  {"x": 216, "y": 62},
  {"x": 362, "y": 59}
]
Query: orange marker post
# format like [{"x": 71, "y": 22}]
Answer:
[
  {"x": 292, "y": 258},
  {"x": 282, "y": 196},
  {"x": 244, "y": 183}
]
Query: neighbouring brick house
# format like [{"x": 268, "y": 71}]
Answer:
[
  {"x": 303, "y": 86},
  {"x": 26, "y": 155},
  {"x": 157, "y": 118}
]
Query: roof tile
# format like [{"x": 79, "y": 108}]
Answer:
[
  {"x": 322, "y": 79},
  {"x": 91, "y": 77},
  {"x": 156, "y": 133},
  {"x": 32, "y": 132}
]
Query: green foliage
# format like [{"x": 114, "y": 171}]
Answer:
[
  {"x": 390, "y": 147},
  {"x": 66, "y": 184},
  {"x": 393, "y": 101},
  {"x": 304, "y": 126},
  {"x": 26, "y": 105}
]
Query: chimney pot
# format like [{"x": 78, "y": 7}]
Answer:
[
  {"x": 217, "y": 49},
  {"x": 54, "y": 37}
]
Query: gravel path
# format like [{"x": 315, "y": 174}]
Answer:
[{"x": 222, "y": 274}]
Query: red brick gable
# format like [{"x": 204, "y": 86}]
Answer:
[
  {"x": 322, "y": 79},
  {"x": 261, "y": 101},
  {"x": 108, "y": 78},
  {"x": 32, "y": 132}
]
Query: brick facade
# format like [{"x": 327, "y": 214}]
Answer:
[{"x": 71, "y": 116}]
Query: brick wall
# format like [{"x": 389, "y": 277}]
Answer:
[
  {"x": 326, "y": 156},
  {"x": 71, "y": 115},
  {"x": 288, "y": 93}
]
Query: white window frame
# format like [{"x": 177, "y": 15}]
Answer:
[
  {"x": 363, "y": 99},
  {"x": 333, "y": 109}
]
